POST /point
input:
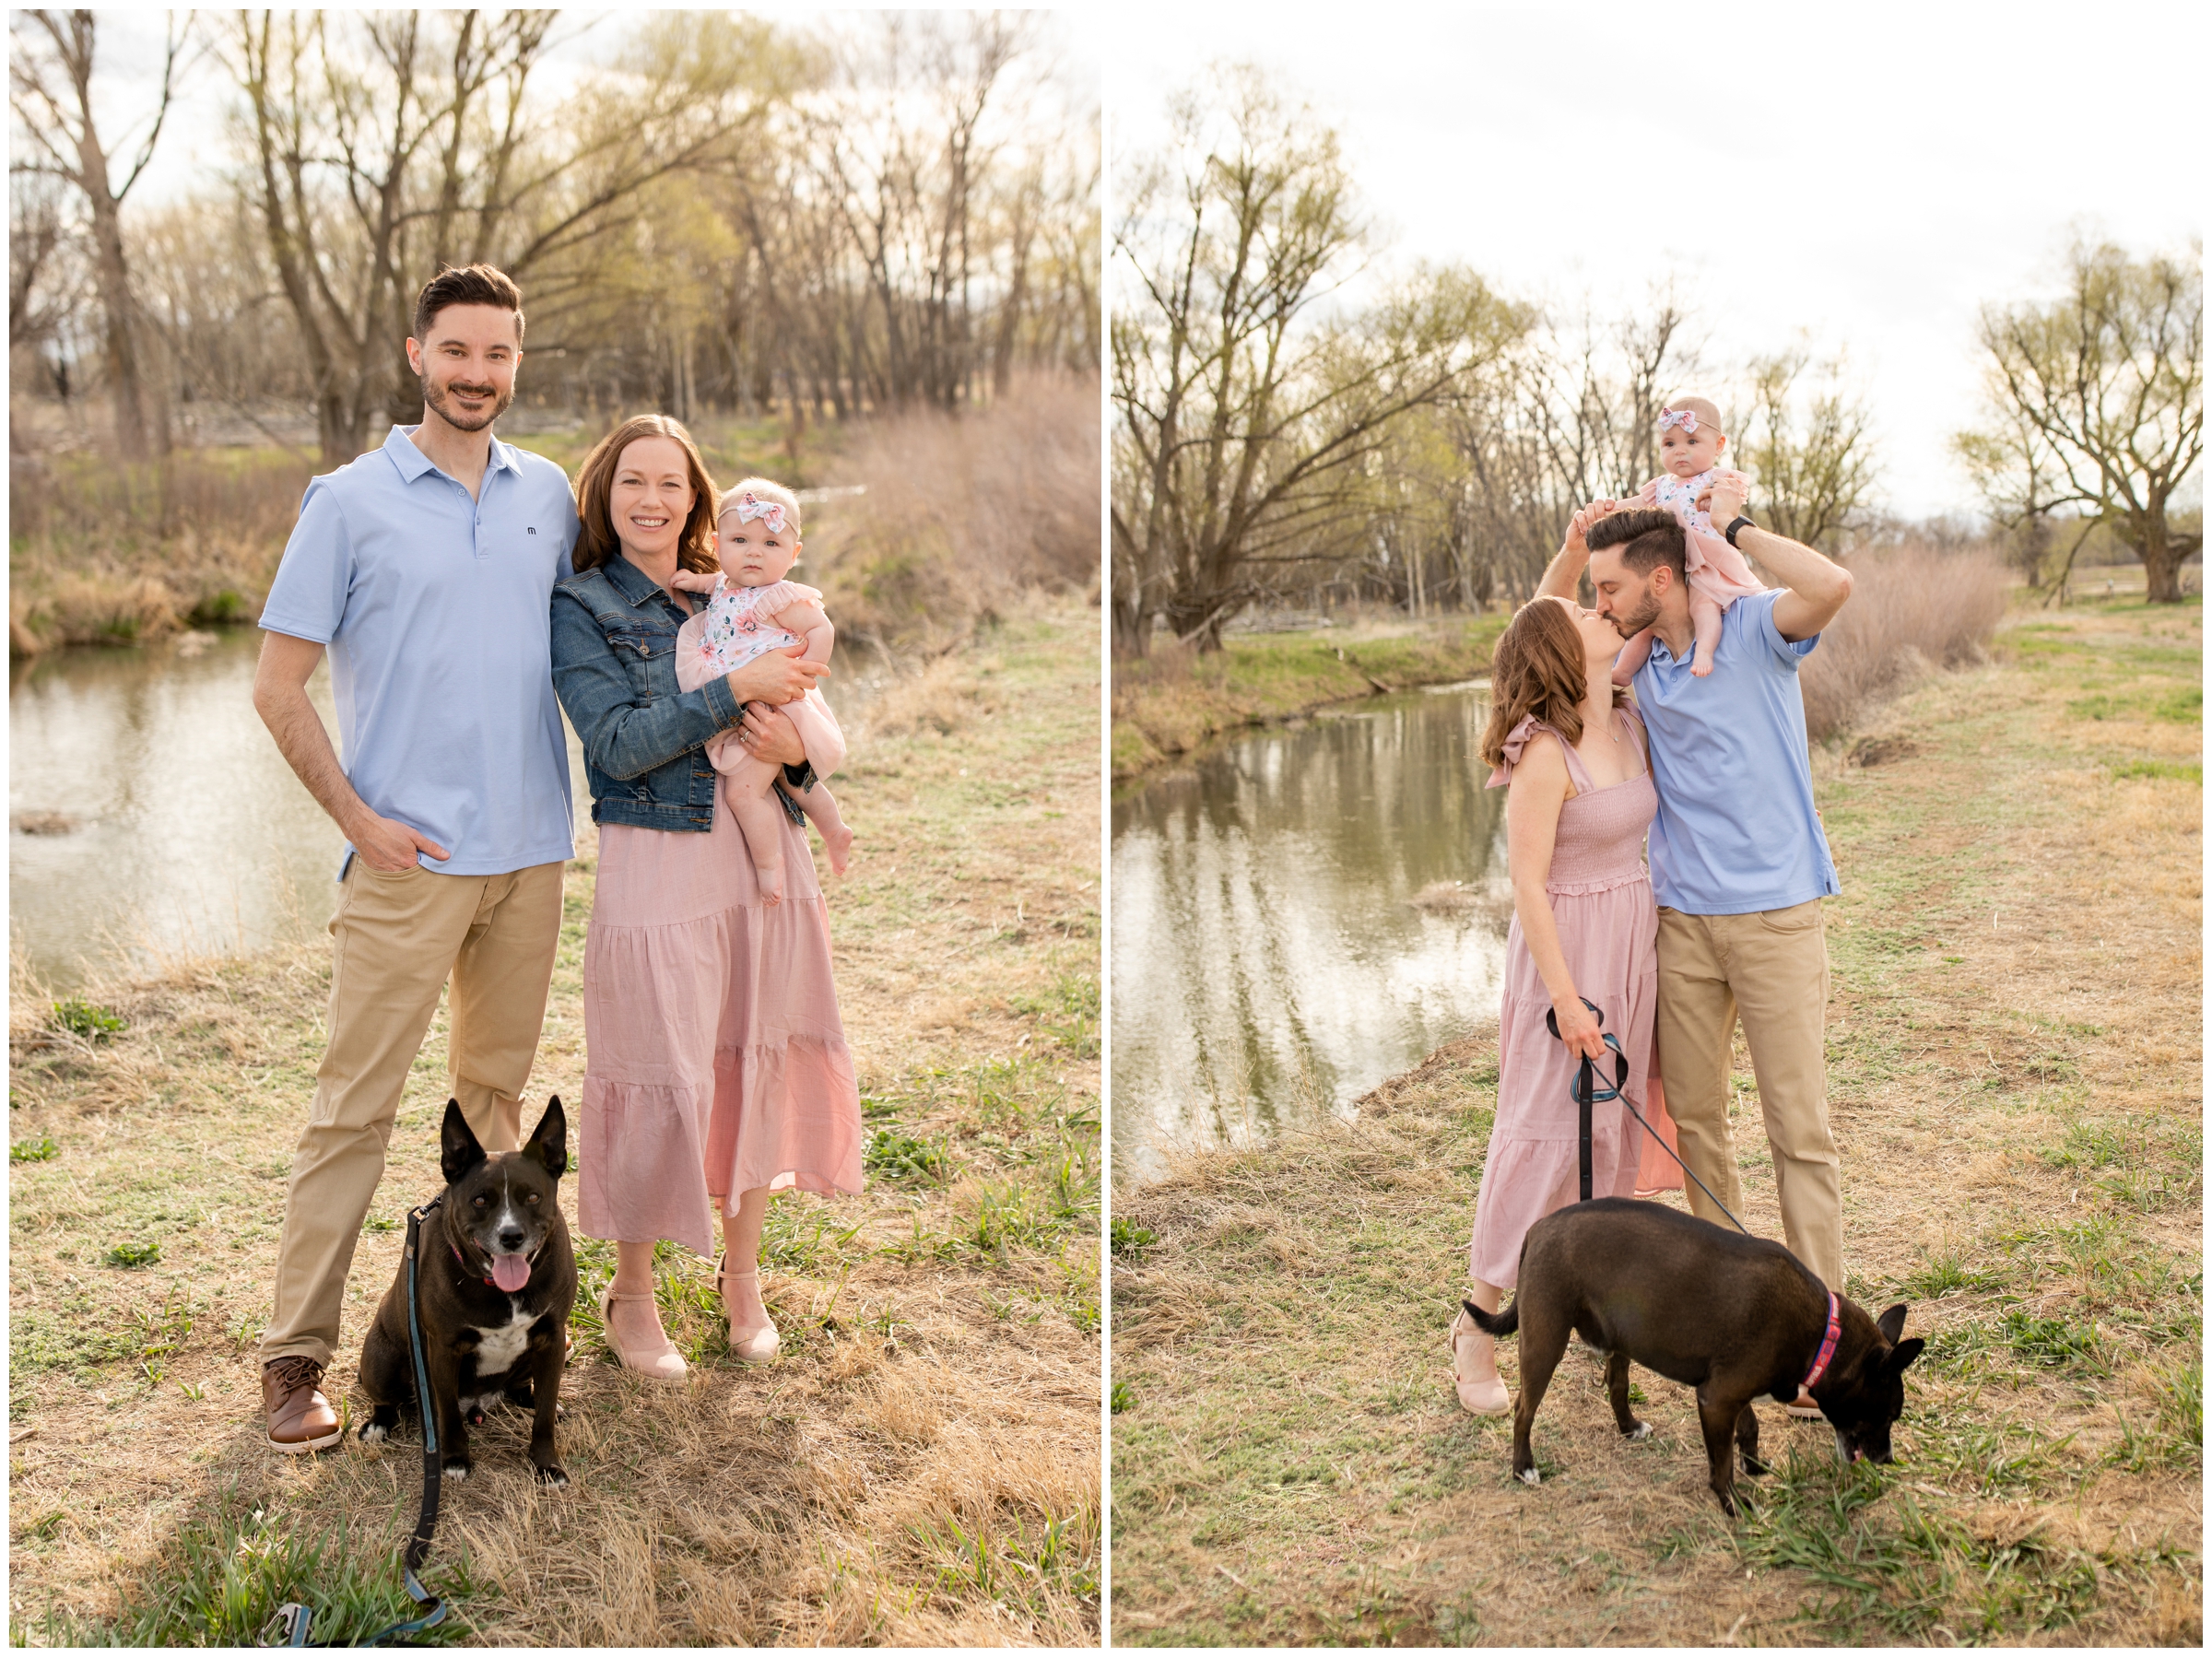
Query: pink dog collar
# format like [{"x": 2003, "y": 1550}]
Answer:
[{"x": 1827, "y": 1345}]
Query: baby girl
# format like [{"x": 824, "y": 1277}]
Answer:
[
  {"x": 1690, "y": 441},
  {"x": 755, "y": 610}
]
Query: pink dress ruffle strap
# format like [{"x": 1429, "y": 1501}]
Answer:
[{"x": 1502, "y": 774}]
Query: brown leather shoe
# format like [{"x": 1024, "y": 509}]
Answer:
[{"x": 301, "y": 1419}]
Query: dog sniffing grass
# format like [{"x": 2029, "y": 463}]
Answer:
[
  {"x": 1298, "y": 1470},
  {"x": 915, "y": 1470}
]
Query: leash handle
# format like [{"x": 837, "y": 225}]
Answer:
[
  {"x": 1551, "y": 1016},
  {"x": 1585, "y": 1091}
]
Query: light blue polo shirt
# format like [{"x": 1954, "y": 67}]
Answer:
[
  {"x": 437, "y": 612},
  {"x": 1737, "y": 832}
]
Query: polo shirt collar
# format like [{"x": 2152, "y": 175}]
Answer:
[{"x": 412, "y": 462}]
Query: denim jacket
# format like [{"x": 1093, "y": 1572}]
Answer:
[{"x": 614, "y": 669}]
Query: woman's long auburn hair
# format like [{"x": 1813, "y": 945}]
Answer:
[
  {"x": 1539, "y": 668},
  {"x": 596, "y": 542}
]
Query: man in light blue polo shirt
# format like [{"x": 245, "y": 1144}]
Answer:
[
  {"x": 426, "y": 569},
  {"x": 1739, "y": 863}
]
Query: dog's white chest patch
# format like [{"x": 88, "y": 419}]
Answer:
[{"x": 499, "y": 1348}]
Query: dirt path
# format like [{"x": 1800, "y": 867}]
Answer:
[
  {"x": 2017, "y": 1091},
  {"x": 922, "y": 1467}
]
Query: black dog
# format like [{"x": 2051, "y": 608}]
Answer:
[
  {"x": 1733, "y": 1316},
  {"x": 496, "y": 1281}
]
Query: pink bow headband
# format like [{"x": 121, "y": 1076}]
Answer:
[
  {"x": 1685, "y": 418},
  {"x": 770, "y": 512}
]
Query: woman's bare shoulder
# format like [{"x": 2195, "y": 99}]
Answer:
[{"x": 1542, "y": 756}]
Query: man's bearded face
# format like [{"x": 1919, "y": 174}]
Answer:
[{"x": 1624, "y": 598}]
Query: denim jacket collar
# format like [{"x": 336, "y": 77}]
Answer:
[{"x": 633, "y": 583}]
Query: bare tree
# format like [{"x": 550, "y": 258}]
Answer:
[
  {"x": 383, "y": 146},
  {"x": 37, "y": 248},
  {"x": 50, "y": 88},
  {"x": 2099, "y": 403},
  {"x": 1244, "y": 411},
  {"x": 1810, "y": 454}
]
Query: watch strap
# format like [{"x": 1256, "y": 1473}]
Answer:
[{"x": 1736, "y": 525}]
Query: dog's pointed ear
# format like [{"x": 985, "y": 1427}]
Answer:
[
  {"x": 1893, "y": 1322},
  {"x": 458, "y": 1150},
  {"x": 550, "y": 1140},
  {"x": 1901, "y": 1355}
]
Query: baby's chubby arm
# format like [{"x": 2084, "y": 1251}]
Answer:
[{"x": 807, "y": 620}]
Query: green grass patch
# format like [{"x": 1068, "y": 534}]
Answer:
[
  {"x": 1892, "y": 1570},
  {"x": 1129, "y": 1240},
  {"x": 2177, "y": 707},
  {"x": 895, "y": 1156},
  {"x": 41, "y": 1149},
  {"x": 224, "y": 1577},
  {"x": 2064, "y": 1342},
  {"x": 1945, "y": 1271},
  {"x": 2176, "y": 770},
  {"x": 1068, "y": 1013},
  {"x": 88, "y": 1019}
]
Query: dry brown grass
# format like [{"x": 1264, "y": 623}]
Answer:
[
  {"x": 962, "y": 513},
  {"x": 921, "y": 1468},
  {"x": 2016, "y": 1087},
  {"x": 102, "y": 553},
  {"x": 1912, "y": 610}
]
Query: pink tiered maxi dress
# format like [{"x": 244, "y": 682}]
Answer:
[
  {"x": 1601, "y": 901},
  {"x": 715, "y": 1060}
]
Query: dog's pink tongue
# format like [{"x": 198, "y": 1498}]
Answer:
[{"x": 510, "y": 1271}]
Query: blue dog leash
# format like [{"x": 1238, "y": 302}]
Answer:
[
  {"x": 1586, "y": 1091},
  {"x": 296, "y": 1617}
]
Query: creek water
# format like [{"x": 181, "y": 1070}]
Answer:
[
  {"x": 150, "y": 814},
  {"x": 1303, "y": 913}
]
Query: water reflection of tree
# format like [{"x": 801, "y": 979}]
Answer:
[{"x": 1284, "y": 871}]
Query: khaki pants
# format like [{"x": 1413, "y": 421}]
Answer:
[
  {"x": 1771, "y": 969},
  {"x": 398, "y": 937}
]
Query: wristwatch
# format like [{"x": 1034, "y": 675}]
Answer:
[{"x": 1735, "y": 524}]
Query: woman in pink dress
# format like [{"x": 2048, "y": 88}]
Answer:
[
  {"x": 1571, "y": 750},
  {"x": 716, "y": 1069}
]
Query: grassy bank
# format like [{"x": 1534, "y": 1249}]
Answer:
[
  {"x": 1174, "y": 701},
  {"x": 922, "y": 1467},
  {"x": 2016, "y": 1086}
]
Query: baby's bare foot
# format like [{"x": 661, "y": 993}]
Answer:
[
  {"x": 1699, "y": 670},
  {"x": 840, "y": 847},
  {"x": 771, "y": 878}
]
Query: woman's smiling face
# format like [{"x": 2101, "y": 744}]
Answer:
[{"x": 651, "y": 497}]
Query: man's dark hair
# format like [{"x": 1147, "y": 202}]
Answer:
[
  {"x": 467, "y": 285},
  {"x": 1646, "y": 539}
]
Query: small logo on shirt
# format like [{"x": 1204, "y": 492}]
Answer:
[{"x": 531, "y": 530}]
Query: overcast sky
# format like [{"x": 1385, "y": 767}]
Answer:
[
  {"x": 1869, "y": 174},
  {"x": 194, "y": 147}
]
